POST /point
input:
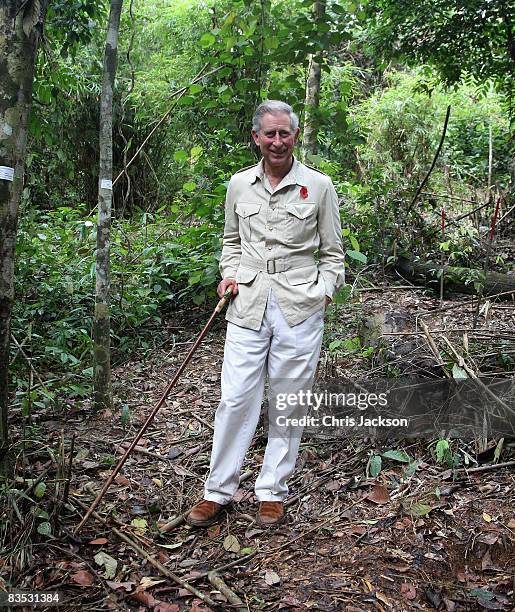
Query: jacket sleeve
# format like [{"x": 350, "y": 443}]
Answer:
[
  {"x": 331, "y": 255},
  {"x": 231, "y": 245}
]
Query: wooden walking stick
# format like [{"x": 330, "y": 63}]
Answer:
[{"x": 220, "y": 306}]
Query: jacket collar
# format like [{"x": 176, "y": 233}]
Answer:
[{"x": 294, "y": 177}]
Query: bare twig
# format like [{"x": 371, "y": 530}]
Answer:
[
  {"x": 488, "y": 468},
  {"x": 426, "y": 178},
  {"x": 219, "y": 584},
  {"x": 432, "y": 346}
]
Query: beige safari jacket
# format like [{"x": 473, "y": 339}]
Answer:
[{"x": 271, "y": 238}]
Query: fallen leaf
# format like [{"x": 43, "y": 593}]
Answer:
[
  {"x": 382, "y": 598},
  {"x": 83, "y": 577},
  {"x": 158, "y": 482},
  {"x": 378, "y": 495},
  {"x": 98, "y": 542},
  {"x": 195, "y": 606},
  {"x": 487, "y": 517},
  {"x": 450, "y": 606},
  {"x": 120, "y": 585},
  {"x": 420, "y": 509},
  {"x": 408, "y": 590},
  {"x": 332, "y": 485},
  {"x": 174, "y": 452},
  {"x": 145, "y": 598},
  {"x": 147, "y": 582},
  {"x": 511, "y": 523},
  {"x": 489, "y": 538},
  {"x": 171, "y": 546},
  {"x": 108, "y": 562},
  {"x": 289, "y": 602},
  {"x": 166, "y": 607},
  {"x": 272, "y": 578},
  {"x": 486, "y": 561},
  {"x": 396, "y": 455},
  {"x": 140, "y": 524},
  {"x": 121, "y": 480},
  {"x": 214, "y": 531},
  {"x": 433, "y": 597},
  {"x": 231, "y": 544}
]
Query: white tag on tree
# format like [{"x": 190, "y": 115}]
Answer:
[
  {"x": 106, "y": 184},
  {"x": 6, "y": 173}
]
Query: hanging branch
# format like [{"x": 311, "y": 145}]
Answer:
[{"x": 426, "y": 178}]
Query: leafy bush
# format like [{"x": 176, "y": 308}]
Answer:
[{"x": 154, "y": 267}]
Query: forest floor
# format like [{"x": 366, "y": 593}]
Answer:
[{"x": 428, "y": 538}]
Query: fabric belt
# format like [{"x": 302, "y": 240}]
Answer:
[{"x": 272, "y": 266}]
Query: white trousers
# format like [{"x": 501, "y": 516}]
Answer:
[{"x": 284, "y": 353}]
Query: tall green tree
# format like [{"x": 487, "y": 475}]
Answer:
[
  {"x": 101, "y": 323},
  {"x": 473, "y": 36},
  {"x": 21, "y": 27},
  {"x": 309, "y": 140}
]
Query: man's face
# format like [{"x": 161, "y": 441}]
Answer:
[{"x": 276, "y": 140}]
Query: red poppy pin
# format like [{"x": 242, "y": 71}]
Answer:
[{"x": 303, "y": 192}]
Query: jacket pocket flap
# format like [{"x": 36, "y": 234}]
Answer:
[
  {"x": 300, "y": 276},
  {"x": 245, "y": 275},
  {"x": 245, "y": 209},
  {"x": 301, "y": 210}
]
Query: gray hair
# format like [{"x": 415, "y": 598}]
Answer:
[{"x": 274, "y": 107}]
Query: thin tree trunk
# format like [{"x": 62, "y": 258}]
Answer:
[
  {"x": 312, "y": 101},
  {"x": 21, "y": 25},
  {"x": 101, "y": 323}
]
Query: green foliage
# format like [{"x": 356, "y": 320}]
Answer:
[
  {"x": 152, "y": 270},
  {"x": 400, "y": 127},
  {"x": 444, "y": 454},
  {"x": 474, "y": 36}
]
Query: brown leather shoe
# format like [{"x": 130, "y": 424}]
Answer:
[
  {"x": 204, "y": 513},
  {"x": 270, "y": 513}
]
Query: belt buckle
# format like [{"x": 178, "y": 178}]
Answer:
[{"x": 270, "y": 268}]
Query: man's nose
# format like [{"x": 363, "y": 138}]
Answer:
[{"x": 277, "y": 138}]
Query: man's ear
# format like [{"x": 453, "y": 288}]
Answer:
[
  {"x": 297, "y": 134},
  {"x": 255, "y": 136}
]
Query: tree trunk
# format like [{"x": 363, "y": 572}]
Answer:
[
  {"x": 21, "y": 25},
  {"x": 461, "y": 280},
  {"x": 101, "y": 323},
  {"x": 312, "y": 101}
]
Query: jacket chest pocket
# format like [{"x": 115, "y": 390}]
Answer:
[
  {"x": 300, "y": 222},
  {"x": 249, "y": 221}
]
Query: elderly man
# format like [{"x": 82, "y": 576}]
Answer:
[{"x": 278, "y": 215}]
